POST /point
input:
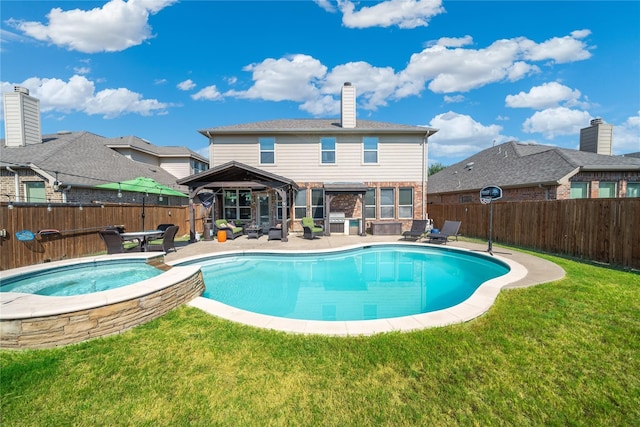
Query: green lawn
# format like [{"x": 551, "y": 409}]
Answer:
[{"x": 563, "y": 353}]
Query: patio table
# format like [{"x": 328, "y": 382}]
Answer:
[{"x": 144, "y": 237}]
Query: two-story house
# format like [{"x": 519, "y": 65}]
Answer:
[{"x": 351, "y": 174}]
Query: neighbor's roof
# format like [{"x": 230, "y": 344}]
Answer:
[
  {"x": 142, "y": 145},
  {"x": 81, "y": 159},
  {"x": 315, "y": 126},
  {"x": 515, "y": 164}
]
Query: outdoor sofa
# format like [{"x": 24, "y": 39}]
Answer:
[{"x": 230, "y": 228}]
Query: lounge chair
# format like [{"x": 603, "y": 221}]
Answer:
[
  {"x": 449, "y": 229},
  {"x": 419, "y": 227},
  {"x": 232, "y": 231},
  {"x": 168, "y": 239},
  {"x": 311, "y": 230},
  {"x": 114, "y": 242}
]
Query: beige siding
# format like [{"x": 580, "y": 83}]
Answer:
[
  {"x": 299, "y": 158},
  {"x": 178, "y": 167}
]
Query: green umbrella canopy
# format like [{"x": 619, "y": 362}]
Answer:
[{"x": 142, "y": 185}]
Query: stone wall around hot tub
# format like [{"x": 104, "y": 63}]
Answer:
[{"x": 81, "y": 325}]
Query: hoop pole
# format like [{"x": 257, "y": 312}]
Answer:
[{"x": 490, "y": 248}]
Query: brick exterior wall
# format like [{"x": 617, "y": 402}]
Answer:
[
  {"x": 550, "y": 192},
  {"x": 82, "y": 325},
  {"x": 351, "y": 205}
]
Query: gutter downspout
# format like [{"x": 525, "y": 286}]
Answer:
[
  {"x": 424, "y": 160},
  {"x": 16, "y": 183}
]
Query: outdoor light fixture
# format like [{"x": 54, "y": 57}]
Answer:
[
  {"x": 119, "y": 191},
  {"x": 81, "y": 208},
  {"x": 9, "y": 204},
  {"x": 49, "y": 209},
  {"x": 160, "y": 196}
]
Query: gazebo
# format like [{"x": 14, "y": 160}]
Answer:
[{"x": 235, "y": 175}]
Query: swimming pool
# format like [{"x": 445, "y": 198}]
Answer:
[
  {"x": 401, "y": 287},
  {"x": 81, "y": 278}
]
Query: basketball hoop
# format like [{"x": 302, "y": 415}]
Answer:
[{"x": 485, "y": 201}]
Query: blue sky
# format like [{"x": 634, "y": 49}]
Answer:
[{"x": 481, "y": 72}]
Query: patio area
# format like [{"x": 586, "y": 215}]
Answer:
[{"x": 538, "y": 269}]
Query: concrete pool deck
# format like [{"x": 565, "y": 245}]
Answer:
[{"x": 527, "y": 270}]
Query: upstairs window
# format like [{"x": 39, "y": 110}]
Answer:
[
  {"x": 633, "y": 189},
  {"x": 370, "y": 149},
  {"x": 267, "y": 151},
  {"x": 328, "y": 150}
]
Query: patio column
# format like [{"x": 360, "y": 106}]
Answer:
[{"x": 285, "y": 228}]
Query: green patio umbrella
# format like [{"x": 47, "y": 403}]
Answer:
[{"x": 142, "y": 185}]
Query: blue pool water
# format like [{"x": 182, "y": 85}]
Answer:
[
  {"x": 375, "y": 282},
  {"x": 81, "y": 279}
]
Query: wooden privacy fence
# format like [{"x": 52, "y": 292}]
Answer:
[
  {"x": 603, "y": 230},
  {"x": 78, "y": 229}
]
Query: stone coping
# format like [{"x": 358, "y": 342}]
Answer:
[{"x": 477, "y": 304}]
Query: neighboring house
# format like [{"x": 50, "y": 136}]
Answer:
[
  {"x": 536, "y": 172},
  {"x": 178, "y": 161},
  {"x": 65, "y": 167},
  {"x": 344, "y": 170}
]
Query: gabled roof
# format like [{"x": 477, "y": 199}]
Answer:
[
  {"x": 237, "y": 174},
  {"x": 142, "y": 145},
  {"x": 81, "y": 159},
  {"x": 515, "y": 164},
  {"x": 315, "y": 126}
]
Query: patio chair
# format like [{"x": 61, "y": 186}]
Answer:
[
  {"x": 114, "y": 242},
  {"x": 163, "y": 227},
  {"x": 449, "y": 229},
  {"x": 167, "y": 240},
  {"x": 275, "y": 233},
  {"x": 419, "y": 227},
  {"x": 311, "y": 230}
]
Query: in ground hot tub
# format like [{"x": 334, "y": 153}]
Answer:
[{"x": 30, "y": 320}]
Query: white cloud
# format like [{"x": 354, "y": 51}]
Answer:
[
  {"x": 559, "y": 49},
  {"x": 113, "y": 27},
  {"x": 557, "y": 121},
  {"x": 460, "y": 136},
  {"x": 209, "y": 93},
  {"x": 453, "y": 99},
  {"x": 400, "y": 13},
  {"x": 186, "y": 85},
  {"x": 304, "y": 79},
  {"x": 547, "y": 95},
  {"x": 81, "y": 70},
  {"x": 626, "y": 137},
  {"x": 79, "y": 95},
  {"x": 292, "y": 78},
  {"x": 326, "y": 5}
]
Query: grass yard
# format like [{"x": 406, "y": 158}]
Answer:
[{"x": 563, "y": 353}]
